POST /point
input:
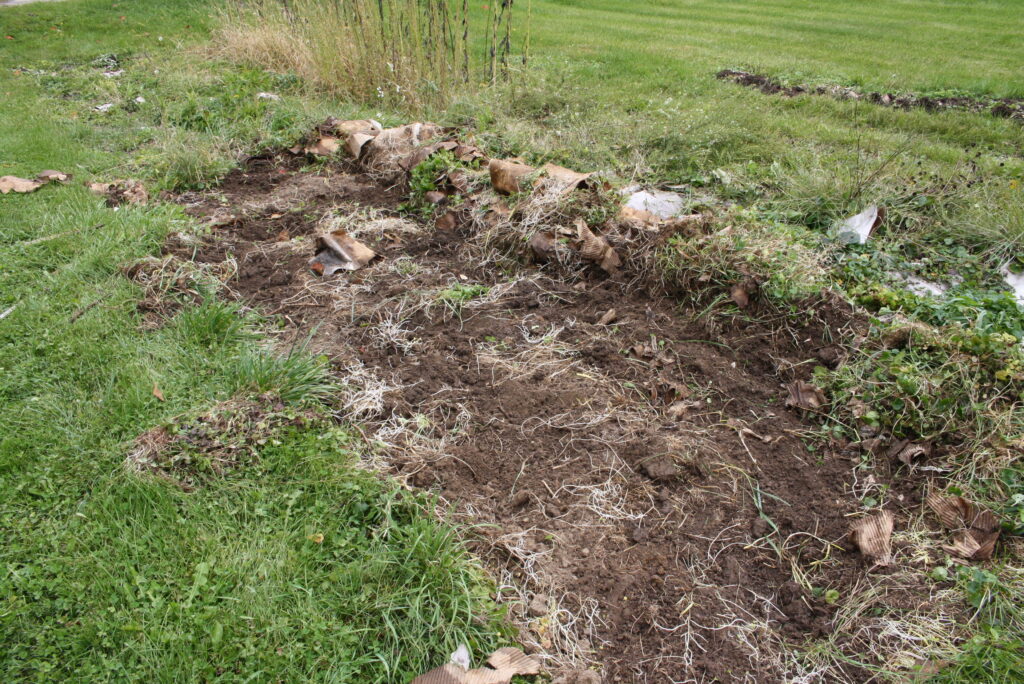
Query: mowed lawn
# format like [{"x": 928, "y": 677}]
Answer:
[{"x": 887, "y": 45}]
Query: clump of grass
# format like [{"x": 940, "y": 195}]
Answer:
[
  {"x": 213, "y": 324},
  {"x": 296, "y": 376},
  {"x": 393, "y": 52},
  {"x": 182, "y": 160}
]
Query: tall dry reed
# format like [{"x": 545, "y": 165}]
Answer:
[{"x": 409, "y": 53}]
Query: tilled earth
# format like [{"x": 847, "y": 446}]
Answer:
[{"x": 642, "y": 493}]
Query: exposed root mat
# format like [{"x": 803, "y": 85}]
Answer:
[{"x": 642, "y": 491}]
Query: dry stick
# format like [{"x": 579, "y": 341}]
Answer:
[
  {"x": 529, "y": 24},
  {"x": 85, "y": 309}
]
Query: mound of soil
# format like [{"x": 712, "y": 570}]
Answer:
[
  {"x": 642, "y": 491},
  {"x": 1008, "y": 108}
]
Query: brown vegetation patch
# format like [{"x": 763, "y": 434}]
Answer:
[
  {"x": 1007, "y": 108},
  {"x": 645, "y": 496}
]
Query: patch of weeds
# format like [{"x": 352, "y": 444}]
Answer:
[
  {"x": 455, "y": 298},
  {"x": 923, "y": 384},
  {"x": 226, "y": 437},
  {"x": 182, "y": 160},
  {"x": 296, "y": 377},
  {"x": 990, "y": 657},
  {"x": 431, "y": 175}
]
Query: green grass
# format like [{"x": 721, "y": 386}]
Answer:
[
  {"x": 106, "y": 575},
  {"x": 109, "y": 576}
]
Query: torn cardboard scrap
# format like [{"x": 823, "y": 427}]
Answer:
[
  {"x": 975, "y": 529},
  {"x": 873, "y": 536},
  {"x": 339, "y": 251},
  {"x": 505, "y": 663}
]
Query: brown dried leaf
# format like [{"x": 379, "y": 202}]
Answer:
[
  {"x": 447, "y": 221},
  {"x": 595, "y": 248},
  {"x": 509, "y": 177},
  {"x": 510, "y": 659},
  {"x": 544, "y": 244},
  {"x": 356, "y": 142},
  {"x": 401, "y": 148},
  {"x": 804, "y": 395},
  {"x": 15, "y": 184},
  {"x": 608, "y": 317},
  {"x": 639, "y": 217},
  {"x": 906, "y": 451},
  {"x": 157, "y": 393},
  {"x": 121, "y": 191},
  {"x": 873, "y": 536}
]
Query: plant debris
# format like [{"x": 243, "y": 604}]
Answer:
[
  {"x": 121, "y": 191},
  {"x": 975, "y": 529},
  {"x": 192, "y": 450},
  {"x": 1007, "y": 107}
]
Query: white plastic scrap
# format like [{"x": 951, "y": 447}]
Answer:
[
  {"x": 857, "y": 229},
  {"x": 461, "y": 656},
  {"x": 661, "y": 203},
  {"x": 1016, "y": 283}
]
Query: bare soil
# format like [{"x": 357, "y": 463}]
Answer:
[
  {"x": 1008, "y": 108},
  {"x": 640, "y": 489}
]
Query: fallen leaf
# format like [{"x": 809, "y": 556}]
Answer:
[
  {"x": 804, "y": 395},
  {"x": 15, "y": 184},
  {"x": 544, "y": 244},
  {"x": 906, "y": 451},
  {"x": 873, "y": 536},
  {"x": 559, "y": 179},
  {"x": 639, "y": 217},
  {"x": 121, "y": 192},
  {"x": 157, "y": 393},
  {"x": 608, "y": 317},
  {"x": 317, "y": 538},
  {"x": 595, "y": 248},
  {"x": 401, "y": 148},
  {"x": 446, "y": 222},
  {"x": 975, "y": 529},
  {"x": 434, "y": 197}
]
